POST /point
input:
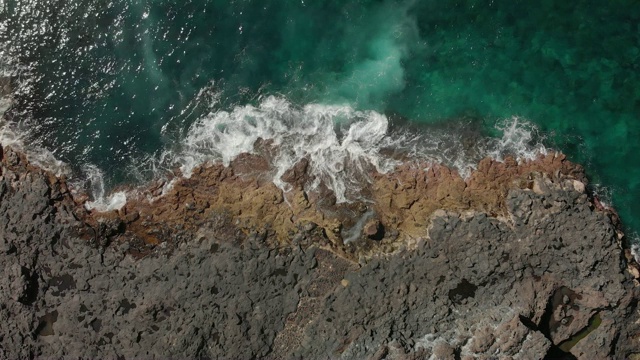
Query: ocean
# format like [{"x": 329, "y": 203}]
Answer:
[{"x": 116, "y": 92}]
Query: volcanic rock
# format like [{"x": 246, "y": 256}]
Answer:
[
  {"x": 374, "y": 230},
  {"x": 482, "y": 267}
]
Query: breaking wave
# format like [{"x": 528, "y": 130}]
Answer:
[
  {"x": 103, "y": 201},
  {"x": 342, "y": 144},
  {"x": 13, "y": 135}
]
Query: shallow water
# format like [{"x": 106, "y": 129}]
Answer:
[{"x": 111, "y": 85}]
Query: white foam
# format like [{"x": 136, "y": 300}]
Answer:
[
  {"x": 101, "y": 202},
  {"x": 339, "y": 141},
  {"x": 342, "y": 143},
  {"x": 16, "y": 133},
  {"x": 635, "y": 248},
  {"x": 114, "y": 201},
  {"x": 603, "y": 193},
  {"x": 518, "y": 139},
  {"x": 12, "y": 135}
]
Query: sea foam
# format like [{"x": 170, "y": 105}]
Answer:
[
  {"x": 520, "y": 138},
  {"x": 341, "y": 143},
  {"x": 13, "y": 135},
  {"x": 94, "y": 181}
]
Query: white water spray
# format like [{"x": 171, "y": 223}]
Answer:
[
  {"x": 101, "y": 202},
  {"x": 341, "y": 143}
]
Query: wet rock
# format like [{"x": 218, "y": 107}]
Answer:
[
  {"x": 297, "y": 175},
  {"x": 374, "y": 230},
  {"x": 131, "y": 217},
  {"x": 495, "y": 269},
  {"x": 11, "y": 157}
]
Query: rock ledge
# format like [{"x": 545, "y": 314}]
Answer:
[{"x": 517, "y": 261}]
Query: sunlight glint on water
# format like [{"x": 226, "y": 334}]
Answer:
[{"x": 120, "y": 84}]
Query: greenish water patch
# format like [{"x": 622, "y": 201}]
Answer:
[
  {"x": 114, "y": 82},
  {"x": 594, "y": 323}
]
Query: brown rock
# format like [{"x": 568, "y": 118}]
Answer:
[
  {"x": 131, "y": 217},
  {"x": 528, "y": 292},
  {"x": 403, "y": 200},
  {"x": 297, "y": 175},
  {"x": 374, "y": 230},
  {"x": 444, "y": 351}
]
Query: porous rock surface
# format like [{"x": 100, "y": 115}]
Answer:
[
  {"x": 537, "y": 273},
  {"x": 400, "y": 203}
]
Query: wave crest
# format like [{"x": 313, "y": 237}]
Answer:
[{"x": 342, "y": 144}]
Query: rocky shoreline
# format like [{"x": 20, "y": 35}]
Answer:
[{"x": 517, "y": 261}]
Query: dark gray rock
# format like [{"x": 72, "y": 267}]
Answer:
[{"x": 478, "y": 287}]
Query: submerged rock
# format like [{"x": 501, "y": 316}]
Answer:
[{"x": 479, "y": 268}]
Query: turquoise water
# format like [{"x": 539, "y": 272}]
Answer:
[{"x": 111, "y": 82}]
